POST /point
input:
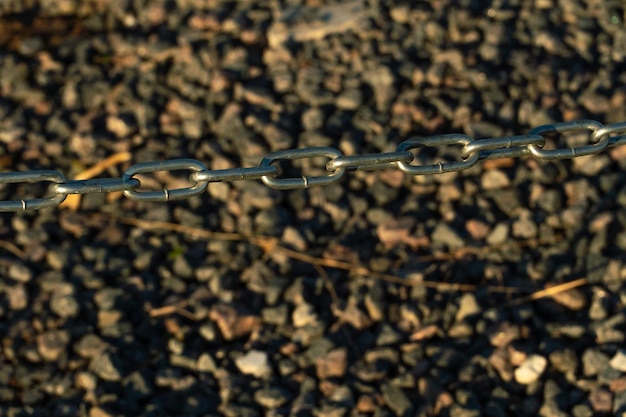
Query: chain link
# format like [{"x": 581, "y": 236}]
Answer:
[{"x": 599, "y": 138}]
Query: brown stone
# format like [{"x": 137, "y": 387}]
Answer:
[
  {"x": 618, "y": 385},
  {"x": 500, "y": 361},
  {"x": 366, "y": 404},
  {"x": 231, "y": 322},
  {"x": 334, "y": 364},
  {"x": 477, "y": 229},
  {"x": 601, "y": 401}
]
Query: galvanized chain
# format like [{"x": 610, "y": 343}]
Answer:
[{"x": 599, "y": 138}]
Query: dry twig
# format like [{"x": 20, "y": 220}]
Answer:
[{"x": 73, "y": 201}]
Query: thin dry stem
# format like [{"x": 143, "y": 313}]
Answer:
[
  {"x": 73, "y": 201},
  {"x": 270, "y": 245}
]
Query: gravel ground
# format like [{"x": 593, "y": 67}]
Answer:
[{"x": 218, "y": 305}]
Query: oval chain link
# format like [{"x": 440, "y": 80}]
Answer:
[
  {"x": 608, "y": 130},
  {"x": 369, "y": 162},
  {"x": 97, "y": 185},
  {"x": 234, "y": 174},
  {"x": 33, "y": 203},
  {"x": 504, "y": 147},
  {"x": 165, "y": 194},
  {"x": 472, "y": 151},
  {"x": 573, "y": 151},
  {"x": 439, "y": 167},
  {"x": 301, "y": 182}
]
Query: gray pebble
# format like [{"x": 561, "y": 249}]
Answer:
[
  {"x": 64, "y": 305},
  {"x": 86, "y": 381},
  {"x": 303, "y": 315},
  {"x": 105, "y": 367},
  {"x": 342, "y": 395},
  {"x": 255, "y": 363},
  {"x": 57, "y": 258},
  {"x": 283, "y": 81},
  {"x": 106, "y": 298},
  {"x": 136, "y": 386},
  {"x": 276, "y": 137},
  {"x": 494, "y": 179},
  {"x": 17, "y": 297},
  {"x": 208, "y": 332},
  {"x": 181, "y": 361},
  {"x": 524, "y": 227},
  {"x": 609, "y": 330},
  {"x": 387, "y": 335},
  {"x": 564, "y": 360},
  {"x": 582, "y": 410},
  {"x": 90, "y": 346},
  {"x": 271, "y": 398},
  {"x": 550, "y": 408},
  {"x": 459, "y": 411},
  {"x": 550, "y": 201},
  {"x": 312, "y": 118},
  {"x": 286, "y": 367},
  {"x": 594, "y": 362},
  {"x": 51, "y": 345},
  {"x": 381, "y": 80},
  {"x": 618, "y": 361},
  {"x": 468, "y": 306},
  {"x": 396, "y": 399},
  {"x": 498, "y": 235},
  {"x": 444, "y": 234},
  {"x": 531, "y": 370},
  {"x": 572, "y": 330},
  {"x": 275, "y": 315},
  {"x": 182, "y": 268},
  {"x": 460, "y": 330},
  {"x": 619, "y": 402},
  {"x": 507, "y": 200},
  {"x": 20, "y": 273},
  {"x": 206, "y": 363},
  {"x": 349, "y": 99},
  {"x": 601, "y": 401}
]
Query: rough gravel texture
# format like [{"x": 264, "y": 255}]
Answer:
[{"x": 99, "y": 317}]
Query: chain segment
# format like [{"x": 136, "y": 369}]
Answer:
[
  {"x": 439, "y": 167},
  {"x": 198, "y": 187},
  {"x": 572, "y": 152},
  {"x": 33, "y": 203},
  {"x": 599, "y": 138},
  {"x": 303, "y": 182}
]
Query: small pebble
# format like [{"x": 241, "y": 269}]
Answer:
[
  {"x": 468, "y": 306},
  {"x": 494, "y": 179},
  {"x": 18, "y": 297},
  {"x": 254, "y": 363},
  {"x": 20, "y": 273},
  {"x": 271, "y": 398},
  {"x": 601, "y": 401},
  {"x": 334, "y": 364},
  {"x": 530, "y": 370},
  {"x": 304, "y": 315},
  {"x": 594, "y": 362},
  {"x": 105, "y": 367},
  {"x": 619, "y": 361},
  {"x": 51, "y": 345},
  {"x": 396, "y": 399}
]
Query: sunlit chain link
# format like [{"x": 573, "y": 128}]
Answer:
[{"x": 598, "y": 138}]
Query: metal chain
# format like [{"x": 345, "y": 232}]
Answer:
[{"x": 599, "y": 138}]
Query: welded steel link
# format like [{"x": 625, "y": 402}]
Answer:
[{"x": 599, "y": 137}]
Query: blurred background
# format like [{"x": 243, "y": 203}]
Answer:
[{"x": 495, "y": 291}]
